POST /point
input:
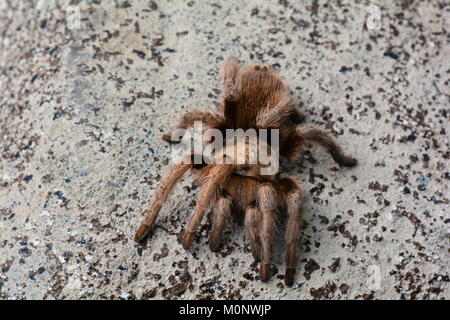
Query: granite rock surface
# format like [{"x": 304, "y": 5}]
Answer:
[{"x": 88, "y": 87}]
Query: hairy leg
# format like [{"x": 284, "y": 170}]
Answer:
[
  {"x": 160, "y": 197},
  {"x": 312, "y": 134},
  {"x": 220, "y": 218},
  {"x": 230, "y": 90},
  {"x": 294, "y": 203},
  {"x": 208, "y": 119},
  {"x": 228, "y": 76},
  {"x": 267, "y": 201},
  {"x": 271, "y": 117},
  {"x": 216, "y": 178},
  {"x": 252, "y": 227}
]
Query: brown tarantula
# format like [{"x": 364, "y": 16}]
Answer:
[{"x": 252, "y": 97}]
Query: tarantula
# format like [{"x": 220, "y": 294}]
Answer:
[{"x": 252, "y": 97}]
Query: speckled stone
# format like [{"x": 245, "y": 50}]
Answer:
[{"x": 82, "y": 112}]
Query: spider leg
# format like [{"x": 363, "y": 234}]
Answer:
[
  {"x": 308, "y": 133},
  {"x": 220, "y": 218},
  {"x": 230, "y": 90},
  {"x": 160, "y": 197},
  {"x": 271, "y": 117},
  {"x": 252, "y": 226},
  {"x": 267, "y": 200},
  {"x": 208, "y": 119},
  {"x": 294, "y": 203},
  {"x": 215, "y": 179},
  {"x": 228, "y": 76}
]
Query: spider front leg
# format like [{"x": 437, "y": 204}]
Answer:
[
  {"x": 161, "y": 196},
  {"x": 272, "y": 116},
  {"x": 267, "y": 201},
  {"x": 215, "y": 179},
  {"x": 220, "y": 217},
  {"x": 252, "y": 227},
  {"x": 294, "y": 204},
  {"x": 208, "y": 119},
  {"x": 228, "y": 77}
]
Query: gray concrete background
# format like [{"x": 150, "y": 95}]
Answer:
[{"x": 82, "y": 111}]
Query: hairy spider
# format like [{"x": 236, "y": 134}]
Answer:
[{"x": 252, "y": 97}]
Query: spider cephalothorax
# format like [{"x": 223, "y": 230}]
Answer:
[{"x": 254, "y": 97}]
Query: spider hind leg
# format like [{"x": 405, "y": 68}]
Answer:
[
  {"x": 220, "y": 218},
  {"x": 294, "y": 205},
  {"x": 252, "y": 225},
  {"x": 307, "y": 133},
  {"x": 267, "y": 202}
]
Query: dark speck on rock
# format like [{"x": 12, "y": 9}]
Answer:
[
  {"x": 140, "y": 54},
  {"x": 248, "y": 276},
  {"x": 57, "y": 115},
  {"x": 361, "y": 201},
  {"x": 276, "y": 66},
  {"x": 406, "y": 190},
  {"x": 391, "y": 55},
  {"x": 344, "y": 69},
  {"x": 25, "y": 252},
  {"x": 422, "y": 181},
  {"x": 67, "y": 255},
  {"x": 310, "y": 267},
  {"x": 123, "y": 4},
  {"x": 127, "y": 104},
  {"x": 335, "y": 265},
  {"x": 152, "y": 5},
  {"x": 28, "y": 178},
  {"x": 411, "y": 137},
  {"x": 323, "y": 219},
  {"x": 61, "y": 197}
]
